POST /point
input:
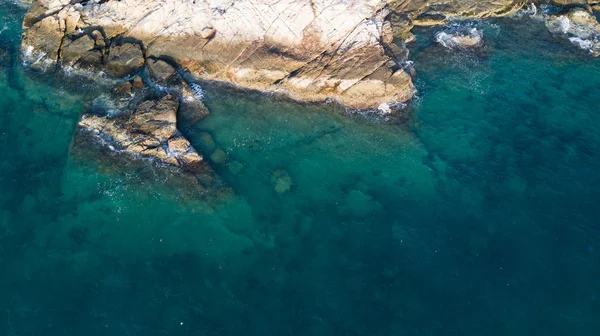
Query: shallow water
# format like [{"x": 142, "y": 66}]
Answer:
[{"x": 478, "y": 215}]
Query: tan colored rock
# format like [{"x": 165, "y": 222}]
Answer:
[
  {"x": 305, "y": 47},
  {"x": 69, "y": 19},
  {"x": 75, "y": 50},
  {"x": 568, "y": 2},
  {"x": 579, "y": 26},
  {"x": 150, "y": 132},
  {"x": 156, "y": 119},
  {"x": 460, "y": 39},
  {"x": 433, "y": 12},
  {"x": 125, "y": 60},
  {"x": 191, "y": 108},
  {"x": 123, "y": 90},
  {"x": 98, "y": 39},
  {"x": 178, "y": 144},
  {"x": 44, "y": 38},
  {"x": 138, "y": 83},
  {"x": 161, "y": 71},
  {"x": 312, "y": 50},
  {"x": 582, "y": 17}
]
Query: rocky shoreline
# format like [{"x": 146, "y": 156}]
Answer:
[{"x": 351, "y": 52}]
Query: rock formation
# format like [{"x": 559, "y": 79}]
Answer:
[
  {"x": 148, "y": 131},
  {"x": 310, "y": 49},
  {"x": 579, "y": 26}
]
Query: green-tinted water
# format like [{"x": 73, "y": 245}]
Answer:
[{"x": 477, "y": 216}]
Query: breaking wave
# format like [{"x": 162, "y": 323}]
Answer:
[
  {"x": 582, "y": 43},
  {"x": 197, "y": 90}
]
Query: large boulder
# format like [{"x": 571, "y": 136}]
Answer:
[
  {"x": 80, "y": 50},
  {"x": 150, "y": 131}
]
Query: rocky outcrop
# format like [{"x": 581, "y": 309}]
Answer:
[
  {"x": 149, "y": 131},
  {"x": 579, "y": 26},
  {"x": 311, "y": 49}
]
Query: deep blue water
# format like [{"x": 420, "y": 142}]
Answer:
[{"x": 477, "y": 215}]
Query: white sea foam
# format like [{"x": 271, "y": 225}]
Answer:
[
  {"x": 197, "y": 91},
  {"x": 39, "y": 58},
  {"x": 444, "y": 39},
  {"x": 385, "y": 108},
  {"x": 19, "y": 3},
  {"x": 582, "y": 36},
  {"x": 530, "y": 10},
  {"x": 459, "y": 38},
  {"x": 390, "y": 107},
  {"x": 28, "y": 52},
  {"x": 563, "y": 24},
  {"x": 582, "y": 43},
  {"x": 162, "y": 89}
]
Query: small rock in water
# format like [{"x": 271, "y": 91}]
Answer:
[
  {"x": 460, "y": 38},
  {"x": 283, "y": 182},
  {"x": 150, "y": 132}
]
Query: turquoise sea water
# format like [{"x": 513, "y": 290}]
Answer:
[{"x": 476, "y": 213}]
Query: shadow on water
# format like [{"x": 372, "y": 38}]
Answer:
[{"x": 480, "y": 214}]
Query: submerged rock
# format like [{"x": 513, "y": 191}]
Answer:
[
  {"x": 282, "y": 181},
  {"x": 207, "y": 142},
  {"x": 218, "y": 156}
]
